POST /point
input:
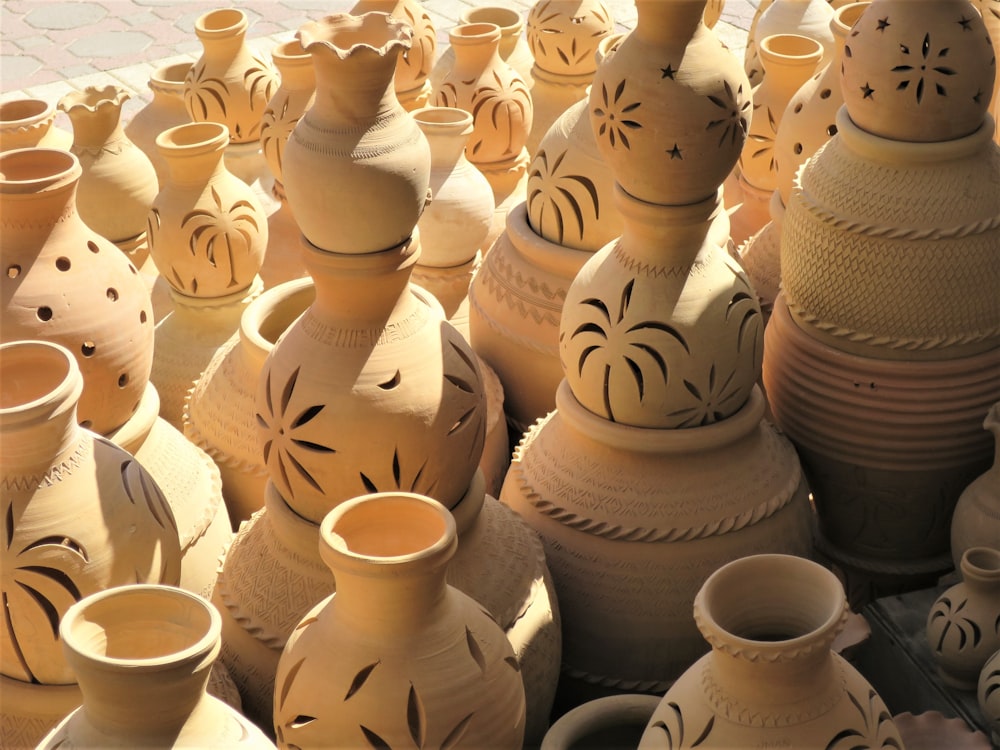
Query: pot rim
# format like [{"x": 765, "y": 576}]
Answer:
[
  {"x": 388, "y": 34},
  {"x": 37, "y": 170}
]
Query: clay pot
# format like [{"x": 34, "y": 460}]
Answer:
[
  {"x": 118, "y": 183},
  {"x": 514, "y": 47},
  {"x": 417, "y": 660},
  {"x": 976, "y": 520},
  {"x": 990, "y": 10},
  {"x": 62, "y": 282},
  {"x": 988, "y": 695},
  {"x": 751, "y": 61},
  {"x": 29, "y": 123},
  {"x": 411, "y": 79},
  {"x": 165, "y": 110},
  {"x": 207, "y": 230},
  {"x": 628, "y": 507},
  {"x": 771, "y": 677},
  {"x": 294, "y": 95},
  {"x": 615, "y": 721},
  {"x": 919, "y": 74},
  {"x": 671, "y": 107},
  {"x": 229, "y": 84},
  {"x": 106, "y": 639},
  {"x": 356, "y": 141},
  {"x": 809, "y": 18},
  {"x": 79, "y": 513},
  {"x": 963, "y": 625}
]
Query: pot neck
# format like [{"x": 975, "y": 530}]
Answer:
[
  {"x": 96, "y": 116},
  {"x": 270, "y": 315},
  {"x": 447, "y": 130},
  {"x": 671, "y": 23},
  {"x": 477, "y": 48},
  {"x": 37, "y": 199},
  {"x": 295, "y": 67},
  {"x": 194, "y": 152},
  {"x": 665, "y": 236},
  {"x": 840, "y": 26},
  {"x": 981, "y": 571},
  {"x": 167, "y": 84}
]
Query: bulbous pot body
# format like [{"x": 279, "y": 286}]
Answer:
[
  {"x": 976, "y": 520},
  {"x": 414, "y": 658},
  {"x": 988, "y": 694},
  {"x": 963, "y": 625},
  {"x": 230, "y": 83},
  {"x": 64, "y": 283},
  {"x": 208, "y": 231},
  {"x": 771, "y": 678},
  {"x": 628, "y": 507},
  {"x": 356, "y": 166},
  {"x": 30, "y": 123},
  {"x": 165, "y": 110},
  {"x": 107, "y": 639},
  {"x": 79, "y": 513}
]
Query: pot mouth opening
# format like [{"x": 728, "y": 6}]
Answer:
[
  {"x": 173, "y": 74},
  {"x": 792, "y": 48},
  {"x": 345, "y": 34},
  {"x": 194, "y": 136},
  {"x": 846, "y": 16},
  {"x": 93, "y": 98},
  {"x": 31, "y": 371},
  {"x": 474, "y": 33},
  {"x": 508, "y": 19},
  {"x": 291, "y": 50},
  {"x": 448, "y": 116},
  {"x": 31, "y": 170},
  {"x": 983, "y": 562},
  {"x": 18, "y": 112},
  {"x": 274, "y": 311},
  {"x": 223, "y": 20}
]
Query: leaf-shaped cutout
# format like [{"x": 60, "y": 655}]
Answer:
[
  {"x": 391, "y": 383},
  {"x": 513, "y": 663},
  {"x": 289, "y": 389},
  {"x": 373, "y": 739},
  {"x": 67, "y": 543},
  {"x": 416, "y": 719},
  {"x": 705, "y": 732},
  {"x": 368, "y": 483},
  {"x": 286, "y": 686},
  {"x": 306, "y": 622},
  {"x": 589, "y": 328},
  {"x": 397, "y": 471},
  {"x": 9, "y": 523},
  {"x": 456, "y": 734},
  {"x": 307, "y": 415},
  {"x": 300, "y": 721},
  {"x": 474, "y": 650},
  {"x": 359, "y": 679},
  {"x": 309, "y": 445},
  {"x": 462, "y": 421},
  {"x": 598, "y": 304},
  {"x": 460, "y": 383},
  {"x": 48, "y": 609},
  {"x": 304, "y": 473}
]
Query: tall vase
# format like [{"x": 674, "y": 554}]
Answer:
[
  {"x": 356, "y": 141},
  {"x": 976, "y": 520},
  {"x": 411, "y": 79},
  {"x": 29, "y": 123},
  {"x": 415, "y": 659},
  {"x": 118, "y": 183},
  {"x": 963, "y": 625},
  {"x": 294, "y": 95},
  {"x": 771, "y": 678},
  {"x": 229, "y": 84},
  {"x": 79, "y": 515},
  {"x": 62, "y": 282},
  {"x": 107, "y": 640},
  {"x": 165, "y": 110}
]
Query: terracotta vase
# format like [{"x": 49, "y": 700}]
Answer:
[
  {"x": 80, "y": 514},
  {"x": 627, "y": 506},
  {"x": 165, "y": 110},
  {"x": 295, "y": 94},
  {"x": 417, "y": 660},
  {"x": 771, "y": 677},
  {"x": 988, "y": 695},
  {"x": 920, "y": 76},
  {"x": 563, "y": 36},
  {"x": 30, "y": 123},
  {"x": 500, "y": 563},
  {"x": 62, "y": 282},
  {"x": 107, "y": 642},
  {"x": 612, "y": 721},
  {"x": 118, "y": 183},
  {"x": 671, "y": 107},
  {"x": 789, "y": 61},
  {"x": 229, "y": 84},
  {"x": 976, "y": 520},
  {"x": 963, "y": 625},
  {"x": 411, "y": 80},
  {"x": 990, "y": 10},
  {"x": 207, "y": 230},
  {"x": 751, "y": 60},
  {"x": 809, "y": 18}
]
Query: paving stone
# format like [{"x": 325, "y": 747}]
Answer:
[
  {"x": 65, "y": 15},
  {"x": 18, "y": 67},
  {"x": 111, "y": 44},
  {"x": 144, "y": 18},
  {"x": 79, "y": 71},
  {"x": 32, "y": 42}
]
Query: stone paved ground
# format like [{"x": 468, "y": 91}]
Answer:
[{"x": 49, "y": 47}]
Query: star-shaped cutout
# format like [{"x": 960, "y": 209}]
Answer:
[
  {"x": 668, "y": 72},
  {"x": 675, "y": 152},
  {"x": 964, "y": 23},
  {"x": 883, "y": 24},
  {"x": 867, "y": 91}
]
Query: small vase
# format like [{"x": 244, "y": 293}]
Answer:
[
  {"x": 671, "y": 107},
  {"x": 771, "y": 679},
  {"x": 809, "y": 18},
  {"x": 976, "y": 520},
  {"x": 30, "y": 123},
  {"x": 229, "y": 84},
  {"x": 62, "y": 282},
  {"x": 119, "y": 665},
  {"x": 118, "y": 183},
  {"x": 79, "y": 513},
  {"x": 164, "y": 111},
  {"x": 356, "y": 141},
  {"x": 414, "y": 658},
  {"x": 207, "y": 230},
  {"x": 963, "y": 625},
  {"x": 411, "y": 79},
  {"x": 988, "y": 695},
  {"x": 919, "y": 74},
  {"x": 294, "y": 95}
]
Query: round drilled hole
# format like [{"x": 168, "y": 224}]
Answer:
[
  {"x": 86, "y": 424},
  {"x": 112, "y": 294},
  {"x": 798, "y": 107},
  {"x": 142, "y": 316},
  {"x": 63, "y": 264},
  {"x": 13, "y": 271},
  {"x": 88, "y": 348},
  {"x": 825, "y": 94},
  {"x": 831, "y": 130},
  {"x": 797, "y": 148},
  {"x": 92, "y": 246},
  {"x": 44, "y": 313},
  {"x": 123, "y": 380}
]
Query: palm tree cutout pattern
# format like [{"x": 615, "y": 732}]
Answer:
[
  {"x": 965, "y": 629},
  {"x": 929, "y": 67},
  {"x": 499, "y": 107},
  {"x": 627, "y": 350},
  {"x": 732, "y": 124},
  {"x": 616, "y": 116},
  {"x": 275, "y": 131},
  {"x": 876, "y": 731},
  {"x": 672, "y": 732},
  {"x": 560, "y": 197},
  {"x": 206, "y": 98}
]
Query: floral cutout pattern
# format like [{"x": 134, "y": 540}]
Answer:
[
  {"x": 616, "y": 117},
  {"x": 732, "y": 124}
]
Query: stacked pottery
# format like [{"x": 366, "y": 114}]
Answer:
[
  {"x": 79, "y": 515},
  {"x": 809, "y": 18},
  {"x": 207, "y": 234},
  {"x": 563, "y": 36},
  {"x": 898, "y": 208},
  {"x": 771, "y": 678},
  {"x": 27, "y": 123},
  {"x": 660, "y": 343},
  {"x": 165, "y": 110},
  {"x": 499, "y": 99},
  {"x": 808, "y": 122},
  {"x": 976, "y": 520},
  {"x": 118, "y": 183},
  {"x": 370, "y": 389}
]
